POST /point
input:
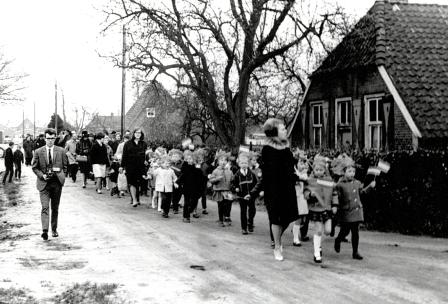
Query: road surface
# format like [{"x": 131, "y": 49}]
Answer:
[{"x": 157, "y": 260}]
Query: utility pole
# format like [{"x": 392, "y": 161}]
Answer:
[
  {"x": 123, "y": 83},
  {"x": 56, "y": 106}
]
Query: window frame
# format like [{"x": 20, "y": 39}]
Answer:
[
  {"x": 368, "y": 124},
  {"x": 318, "y": 126}
]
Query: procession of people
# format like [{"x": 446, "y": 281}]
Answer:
[{"x": 294, "y": 187}]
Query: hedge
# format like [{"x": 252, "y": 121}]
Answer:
[{"x": 412, "y": 198}]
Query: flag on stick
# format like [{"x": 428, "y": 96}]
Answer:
[
  {"x": 384, "y": 166},
  {"x": 244, "y": 149},
  {"x": 325, "y": 183},
  {"x": 374, "y": 171}
]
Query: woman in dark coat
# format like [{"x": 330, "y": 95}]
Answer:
[
  {"x": 83, "y": 148},
  {"x": 133, "y": 164},
  {"x": 278, "y": 181}
]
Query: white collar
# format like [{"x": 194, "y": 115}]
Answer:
[{"x": 244, "y": 171}]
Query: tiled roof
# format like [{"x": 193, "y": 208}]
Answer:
[{"x": 411, "y": 41}]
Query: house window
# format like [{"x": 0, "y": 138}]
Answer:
[
  {"x": 316, "y": 112},
  {"x": 373, "y": 123},
  {"x": 344, "y": 114},
  {"x": 343, "y": 120}
]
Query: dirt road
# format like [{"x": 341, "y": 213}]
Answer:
[{"x": 157, "y": 260}]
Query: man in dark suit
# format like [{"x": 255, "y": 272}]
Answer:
[
  {"x": 9, "y": 163},
  {"x": 50, "y": 165}
]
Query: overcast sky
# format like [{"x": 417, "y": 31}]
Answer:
[{"x": 57, "y": 40}]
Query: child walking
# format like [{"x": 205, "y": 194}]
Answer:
[
  {"x": 243, "y": 183},
  {"x": 322, "y": 201},
  {"x": 300, "y": 227},
  {"x": 350, "y": 207},
  {"x": 191, "y": 180},
  {"x": 221, "y": 178},
  {"x": 165, "y": 182}
]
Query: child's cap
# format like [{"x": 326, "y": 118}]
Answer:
[{"x": 220, "y": 154}]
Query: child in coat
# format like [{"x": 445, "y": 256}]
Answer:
[
  {"x": 243, "y": 182},
  {"x": 191, "y": 181},
  {"x": 176, "y": 164},
  {"x": 165, "y": 183},
  {"x": 220, "y": 179},
  {"x": 350, "y": 207},
  {"x": 322, "y": 203}
]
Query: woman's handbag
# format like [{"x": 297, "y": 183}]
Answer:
[{"x": 81, "y": 158}]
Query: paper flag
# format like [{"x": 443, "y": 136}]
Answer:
[
  {"x": 244, "y": 149},
  {"x": 383, "y": 166},
  {"x": 325, "y": 183},
  {"x": 374, "y": 171}
]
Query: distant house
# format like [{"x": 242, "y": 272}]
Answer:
[
  {"x": 159, "y": 115},
  {"x": 255, "y": 135},
  {"x": 100, "y": 123},
  {"x": 384, "y": 87}
]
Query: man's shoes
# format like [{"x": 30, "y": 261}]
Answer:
[
  {"x": 221, "y": 224},
  {"x": 186, "y": 220},
  {"x": 204, "y": 211},
  {"x": 54, "y": 233},
  {"x": 99, "y": 191},
  {"x": 296, "y": 244},
  {"x": 337, "y": 245},
  {"x": 195, "y": 215},
  {"x": 250, "y": 228},
  {"x": 244, "y": 232},
  {"x": 357, "y": 256},
  {"x": 135, "y": 205},
  {"x": 165, "y": 215},
  {"x": 318, "y": 260},
  {"x": 44, "y": 235}
]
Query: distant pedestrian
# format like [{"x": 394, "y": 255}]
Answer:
[
  {"x": 18, "y": 161},
  {"x": 50, "y": 165},
  {"x": 40, "y": 142},
  {"x": 28, "y": 147},
  {"x": 70, "y": 150},
  {"x": 350, "y": 208},
  {"x": 9, "y": 163},
  {"x": 83, "y": 148}
]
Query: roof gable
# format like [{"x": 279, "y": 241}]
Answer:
[{"x": 411, "y": 41}]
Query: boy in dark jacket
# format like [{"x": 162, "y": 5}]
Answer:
[
  {"x": 9, "y": 163},
  {"x": 243, "y": 182},
  {"x": 18, "y": 161}
]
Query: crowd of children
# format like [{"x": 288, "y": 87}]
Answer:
[{"x": 326, "y": 191}]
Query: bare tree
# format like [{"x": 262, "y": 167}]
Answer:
[
  {"x": 10, "y": 83},
  {"x": 80, "y": 119},
  {"x": 215, "y": 52}
]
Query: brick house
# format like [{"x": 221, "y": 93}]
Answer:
[
  {"x": 384, "y": 87},
  {"x": 101, "y": 123},
  {"x": 159, "y": 115}
]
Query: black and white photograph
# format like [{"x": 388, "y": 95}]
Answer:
[{"x": 223, "y": 151}]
